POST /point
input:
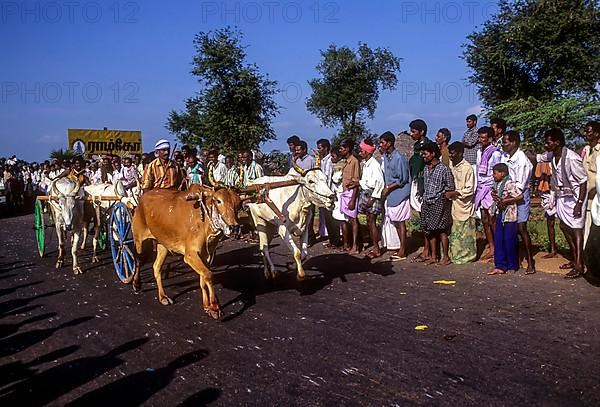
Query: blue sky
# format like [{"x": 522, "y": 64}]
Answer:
[{"x": 124, "y": 65}]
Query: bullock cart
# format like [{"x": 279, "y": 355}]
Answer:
[{"x": 119, "y": 236}]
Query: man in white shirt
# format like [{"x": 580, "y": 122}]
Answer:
[
  {"x": 371, "y": 186},
  {"x": 569, "y": 181},
  {"x": 117, "y": 174},
  {"x": 251, "y": 169},
  {"x": 215, "y": 169},
  {"x": 592, "y": 246},
  {"x": 519, "y": 169},
  {"x": 326, "y": 225},
  {"x": 589, "y": 154},
  {"x": 130, "y": 176}
]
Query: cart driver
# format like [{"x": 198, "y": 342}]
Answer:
[{"x": 162, "y": 172}]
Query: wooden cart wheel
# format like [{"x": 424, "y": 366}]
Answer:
[
  {"x": 121, "y": 242},
  {"x": 40, "y": 228}
]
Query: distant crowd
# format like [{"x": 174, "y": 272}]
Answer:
[{"x": 486, "y": 177}]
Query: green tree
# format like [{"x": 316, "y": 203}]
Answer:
[
  {"x": 537, "y": 64},
  {"x": 61, "y": 155},
  {"x": 532, "y": 116},
  {"x": 235, "y": 107},
  {"x": 348, "y": 89},
  {"x": 536, "y": 48}
]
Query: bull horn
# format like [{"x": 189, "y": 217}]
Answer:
[
  {"x": 317, "y": 158},
  {"x": 299, "y": 170}
]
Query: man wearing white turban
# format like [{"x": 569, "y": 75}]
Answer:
[{"x": 163, "y": 172}]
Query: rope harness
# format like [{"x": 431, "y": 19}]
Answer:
[{"x": 262, "y": 194}]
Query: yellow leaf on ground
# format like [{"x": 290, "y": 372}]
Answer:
[
  {"x": 421, "y": 327},
  {"x": 445, "y": 282}
]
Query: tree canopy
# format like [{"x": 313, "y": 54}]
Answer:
[
  {"x": 235, "y": 107},
  {"x": 537, "y": 64},
  {"x": 536, "y": 48},
  {"x": 61, "y": 155},
  {"x": 348, "y": 89}
]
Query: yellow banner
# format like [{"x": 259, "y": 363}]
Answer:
[{"x": 97, "y": 142}]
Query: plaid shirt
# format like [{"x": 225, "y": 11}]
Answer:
[
  {"x": 155, "y": 177},
  {"x": 438, "y": 180},
  {"x": 471, "y": 142}
]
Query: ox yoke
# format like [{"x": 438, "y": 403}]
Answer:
[{"x": 295, "y": 210}]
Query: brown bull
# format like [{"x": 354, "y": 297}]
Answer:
[{"x": 188, "y": 223}]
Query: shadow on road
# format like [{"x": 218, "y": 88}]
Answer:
[
  {"x": 44, "y": 387},
  {"x": 202, "y": 398},
  {"x": 9, "y": 329},
  {"x": 241, "y": 270},
  {"x": 137, "y": 388},
  {"x": 17, "y": 287},
  {"x": 7, "y": 306},
  {"x": 320, "y": 272},
  {"x": 19, "y": 342},
  {"x": 15, "y": 265},
  {"x": 15, "y": 372}
]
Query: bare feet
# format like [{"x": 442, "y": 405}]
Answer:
[
  {"x": 550, "y": 255},
  {"x": 354, "y": 251},
  {"x": 496, "y": 271},
  {"x": 431, "y": 261},
  {"x": 372, "y": 254},
  {"x": 420, "y": 259},
  {"x": 487, "y": 256},
  {"x": 444, "y": 262}
]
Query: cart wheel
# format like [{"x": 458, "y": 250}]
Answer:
[
  {"x": 39, "y": 228},
  {"x": 102, "y": 238},
  {"x": 121, "y": 242}
]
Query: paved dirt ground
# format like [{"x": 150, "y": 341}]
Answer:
[{"x": 345, "y": 336}]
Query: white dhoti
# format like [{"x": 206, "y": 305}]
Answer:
[
  {"x": 389, "y": 233},
  {"x": 337, "y": 213},
  {"x": 588, "y": 224},
  {"x": 415, "y": 200},
  {"x": 549, "y": 203},
  {"x": 564, "y": 211}
]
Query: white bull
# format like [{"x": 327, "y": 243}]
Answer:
[
  {"x": 66, "y": 204},
  {"x": 295, "y": 203}
]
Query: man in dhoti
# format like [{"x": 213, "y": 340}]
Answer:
[
  {"x": 396, "y": 195},
  {"x": 592, "y": 246},
  {"x": 569, "y": 182},
  {"x": 589, "y": 155}
]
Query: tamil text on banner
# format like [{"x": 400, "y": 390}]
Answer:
[{"x": 97, "y": 142}]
